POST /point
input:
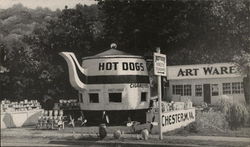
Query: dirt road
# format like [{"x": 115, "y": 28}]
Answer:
[{"x": 87, "y": 136}]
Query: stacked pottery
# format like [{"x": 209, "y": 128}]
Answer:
[
  {"x": 55, "y": 112},
  {"x": 45, "y": 112},
  {"x": 50, "y": 112},
  {"x": 61, "y": 112}
]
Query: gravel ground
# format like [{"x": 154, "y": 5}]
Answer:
[{"x": 31, "y": 136}]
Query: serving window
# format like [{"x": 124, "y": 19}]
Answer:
[
  {"x": 93, "y": 97},
  {"x": 80, "y": 97},
  {"x": 115, "y": 97},
  {"x": 143, "y": 96}
]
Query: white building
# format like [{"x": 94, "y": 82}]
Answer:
[{"x": 205, "y": 82}]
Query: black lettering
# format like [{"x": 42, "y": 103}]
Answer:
[
  {"x": 208, "y": 70},
  {"x": 185, "y": 116},
  {"x": 176, "y": 118},
  {"x": 131, "y": 66},
  {"x": 137, "y": 66},
  {"x": 115, "y": 65},
  {"x": 108, "y": 66},
  {"x": 216, "y": 71},
  {"x": 124, "y": 65},
  {"x": 101, "y": 66},
  {"x": 195, "y": 71},
  {"x": 232, "y": 69},
  {"x": 180, "y": 73},
  {"x": 179, "y": 117},
  {"x": 166, "y": 120},
  {"x": 163, "y": 122},
  {"x": 142, "y": 67},
  {"x": 191, "y": 115},
  {"x": 189, "y": 72},
  {"x": 170, "y": 119},
  {"x": 173, "y": 119},
  {"x": 224, "y": 70}
]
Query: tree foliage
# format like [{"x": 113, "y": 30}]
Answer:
[
  {"x": 187, "y": 31},
  {"x": 23, "y": 66}
]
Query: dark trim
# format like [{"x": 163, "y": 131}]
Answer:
[
  {"x": 111, "y": 79},
  {"x": 117, "y": 79}
]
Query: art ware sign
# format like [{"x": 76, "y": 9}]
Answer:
[
  {"x": 174, "y": 119},
  {"x": 203, "y": 71}
]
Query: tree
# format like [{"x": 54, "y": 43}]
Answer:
[
  {"x": 243, "y": 63},
  {"x": 72, "y": 30},
  {"x": 189, "y": 32},
  {"x": 23, "y": 65},
  {"x": 235, "y": 17}
]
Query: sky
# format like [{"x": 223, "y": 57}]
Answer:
[{"x": 51, "y": 4}]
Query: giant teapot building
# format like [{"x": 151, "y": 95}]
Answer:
[{"x": 205, "y": 82}]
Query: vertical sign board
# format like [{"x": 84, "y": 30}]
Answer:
[{"x": 160, "y": 64}]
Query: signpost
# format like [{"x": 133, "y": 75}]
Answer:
[{"x": 160, "y": 65}]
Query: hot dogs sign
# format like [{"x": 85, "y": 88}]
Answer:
[
  {"x": 219, "y": 70},
  {"x": 126, "y": 66},
  {"x": 133, "y": 66}
]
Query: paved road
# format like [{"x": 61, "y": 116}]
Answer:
[{"x": 32, "y": 137}]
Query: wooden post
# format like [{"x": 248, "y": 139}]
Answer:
[{"x": 158, "y": 50}]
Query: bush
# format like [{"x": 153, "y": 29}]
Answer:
[
  {"x": 206, "y": 123},
  {"x": 192, "y": 127},
  {"x": 248, "y": 109},
  {"x": 235, "y": 113},
  {"x": 211, "y": 119}
]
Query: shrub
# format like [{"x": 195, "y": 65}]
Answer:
[
  {"x": 235, "y": 113},
  {"x": 248, "y": 109},
  {"x": 192, "y": 127},
  {"x": 207, "y": 122},
  {"x": 212, "y": 120}
]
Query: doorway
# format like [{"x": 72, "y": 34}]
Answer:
[{"x": 207, "y": 93}]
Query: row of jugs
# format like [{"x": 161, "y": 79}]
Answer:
[{"x": 50, "y": 112}]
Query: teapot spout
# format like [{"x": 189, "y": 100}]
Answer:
[{"x": 76, "y": 72}]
